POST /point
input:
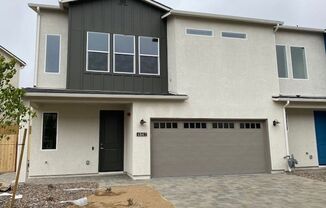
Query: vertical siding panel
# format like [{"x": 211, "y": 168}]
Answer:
[{"x": 137, "y": 18}]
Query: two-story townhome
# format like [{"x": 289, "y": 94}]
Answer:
[
  {"x": 20, "y": 64},
  {"x": 132, "y": 86}
]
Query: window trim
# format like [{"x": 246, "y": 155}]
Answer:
[
  {"x": 57, "y": 135},
  {"x": 45, "y": 53},
  {"x": 209, "y": 36},
  {"x": 158, "y": 57},
  {"x": 287, "y": 61},
  {"x": 234, "y": 37},
  {"x": 134, "y": 54},
  {"x": 96, "y": 51},
  {"x": 306, "y": 60}
]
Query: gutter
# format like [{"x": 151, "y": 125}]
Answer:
[{"x": 37, "y": 47}]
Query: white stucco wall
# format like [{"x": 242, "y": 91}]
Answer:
[
  {"x": 78, "y": 132},
  {"x": 316, "y": 63},
  {"x": 224, "y": 78},
  {"x": 302, "y": 136},
  {"x": 55, "y": 23}
]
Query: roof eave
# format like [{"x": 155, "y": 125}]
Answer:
[
  {"x": 302, "y": 29},
  {"x": 44, "y": 6},
  {"x": 222, "y": 17},
  {"x": 21, "y": 62},
  {"x": 152, "y": 2}
]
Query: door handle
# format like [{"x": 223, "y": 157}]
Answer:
[{"x": 102, "y": 148}]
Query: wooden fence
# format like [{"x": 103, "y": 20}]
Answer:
[{"x": 8, "y": 149}]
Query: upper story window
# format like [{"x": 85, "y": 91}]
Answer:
[
  {"x": 124, "y": 54},
  {"x": 49, "y": 131},
  {"x": 299, "y": 65},
  {"x": 199, "y": 32},
  {"x": 98, "y": 52},
  {"x": 149, "y": 61},
  {"x": 281, "y": 61},
  {"x": 52, "y": 56},
  {"x": 234, "y": 35}
]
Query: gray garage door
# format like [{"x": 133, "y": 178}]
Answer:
[{"x": 190, "y": 148}]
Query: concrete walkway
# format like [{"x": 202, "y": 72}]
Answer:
[{"x": 279, "y": 190}]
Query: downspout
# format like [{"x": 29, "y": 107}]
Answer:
[
  {"x": 37, "y": 47},
  {"x": 286, "y": 131},
  {"x": 276, "y": 28}
]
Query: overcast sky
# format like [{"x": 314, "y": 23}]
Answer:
[{"x": 18, "y": 22}]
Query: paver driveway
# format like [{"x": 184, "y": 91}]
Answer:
[{"x": 265, "y": 190}]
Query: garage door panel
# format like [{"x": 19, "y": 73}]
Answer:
[{"x": 184, "y": 152}]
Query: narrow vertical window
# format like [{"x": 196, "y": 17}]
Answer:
[
  {"x": 124, "y": 54},
  {"x": 149, "y": 58},
  {"x": 49, "y": 132},
  {"x": 281, "y": 61},
  {"x": 98, "y": 52},
  {"x": 299, "y": 65},
  {"x": 52, "y": 56}
]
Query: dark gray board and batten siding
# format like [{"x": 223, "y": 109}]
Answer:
[{"x": 110, "y": 16}]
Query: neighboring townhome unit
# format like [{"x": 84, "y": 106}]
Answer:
[
  {"x": 135, "y": 87},
  {"x": 301, "y": 55},
  {"x": 20, "y": 64}
]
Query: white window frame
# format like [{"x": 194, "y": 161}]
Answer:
[
  {"x": 97, "y": 51},
  {"x": 57, "y": 135},
  {"x": 287, "y": 53},
  {"x": 306, "y": 60},
  {"x": 45, "y": 47},
  {"x": 119, "y": 53},
  {"x": 234, "y": 33},
  {"x": 208, "y": 36},
  {"x": 149, "y": 55}
]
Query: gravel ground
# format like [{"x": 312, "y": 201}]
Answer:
[
  {"x": 318, "y": 174},
  {"x": 49, "y": 196}
]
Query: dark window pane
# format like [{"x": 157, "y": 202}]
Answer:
[
  {"x": 124, "y": 63},
  {"x": 253, "y": 126},
  {"x": 199, "y": 32},
  {"x": 186, "y": 125},
  {"x": 203, "y": 125},
  {"x": 49, "y": 136},
  {"x": 247, "y": 125},
  {"x": 192, "y": 125},
  {"x": 98, "y": 41},
  {"x": 149, "y": 65},
  {"x": 220, "y": 125},
  {"x": 124, "y": 44},
  {"x": 234, "y": 35},
  {"x": 175, "y": 125},
  {"x": 231, "y": 125},
  {"x": 214, "y": 125},
  {"x": 242, "y": 125},
  {"x": 52, "y": 53},
  {"x": 281, "y": 61},
  {"x": 197, "y": 125},
  {"x": 258, "y": 125},
  {"x": 97, "y": 61},
  {"x": 156, "y": 125},
  {"x": 162, "y": 125},
  {"x": 299, "y": 63},
  {"x": 168, "y": 125},
  {"x": 226, "y": 125},
  {"x": 148, "y": 45}
]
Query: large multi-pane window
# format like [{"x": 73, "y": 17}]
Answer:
[
  {"x": 281, "y": 61},
  {"x": 49, "y": 131},
  {"x": 98, "y": 52},
  {"x": 52, "y": 56},
  {"x": 124, "y": 54},
  {"x": 299, "y": 65},
  {"x": 149, "y": 62}
]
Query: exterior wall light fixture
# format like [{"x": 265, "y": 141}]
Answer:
[
  {"x": 276, "y": 122},
  {"x": 142, "y": 122}
]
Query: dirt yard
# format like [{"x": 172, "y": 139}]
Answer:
[
  {"x": 318, "y": 174},
  {"x": 50, "y": 196}
]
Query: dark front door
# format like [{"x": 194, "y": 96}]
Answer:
[
  {"x": 111, "y": 141},
  {"x": 320, "y": 124}
]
